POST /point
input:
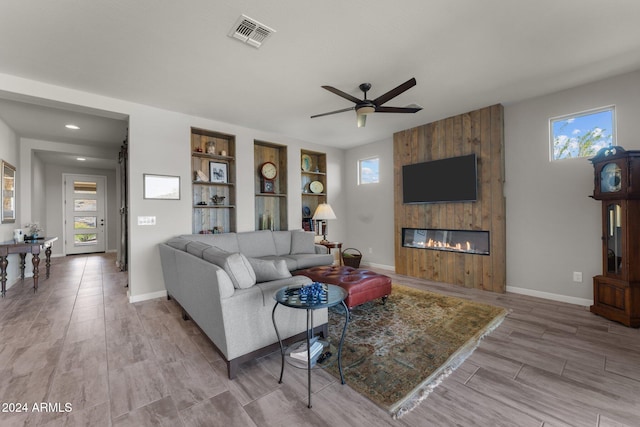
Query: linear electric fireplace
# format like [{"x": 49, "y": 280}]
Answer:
[{"x": 463, "y": 241}]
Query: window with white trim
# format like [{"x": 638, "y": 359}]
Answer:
[
  {"x": 582, "y": 134},
  {"x": 369, "y": 171}
]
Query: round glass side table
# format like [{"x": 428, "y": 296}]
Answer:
[{"x": 311, "y": 297}]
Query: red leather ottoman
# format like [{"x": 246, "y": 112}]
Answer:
[{"x": 362, "y": 285}]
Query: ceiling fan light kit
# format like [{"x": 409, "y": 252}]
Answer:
[
  {"x": 365, "y": 106},
  {"x": 366, "y": 110}
]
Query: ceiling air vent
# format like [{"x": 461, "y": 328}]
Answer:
[{"x": 250, "y": 31}]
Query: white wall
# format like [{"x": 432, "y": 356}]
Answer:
[
  {"x": 38, "y": 194},
  {"x": 9, "y": 153},
  {"x": 370, "y": 207},
  {"x": 159, "y": 143},
  {"x": 553, "y": 227}
]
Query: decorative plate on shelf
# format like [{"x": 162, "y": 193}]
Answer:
[
  {"x": 316, "y": 187},
  {"x": 306, "y": 212},
  {"x": 306, "y": 162}
]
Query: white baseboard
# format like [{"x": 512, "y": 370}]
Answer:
[
  {"x": 548, "y": 295},
  {"x": 144, "y": 297},
  {"x": 382, "y": 266}
]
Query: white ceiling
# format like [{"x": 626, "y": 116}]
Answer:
[
  {"x": 464, "y": 54},
  {"x": 45, "y": 120}
]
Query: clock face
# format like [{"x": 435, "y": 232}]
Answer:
[
  {"x": 268, "y": 170},
  {"x": 610, "y": 178}
]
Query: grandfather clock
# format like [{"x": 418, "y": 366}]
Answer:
[{"x": 616, "y": 292}]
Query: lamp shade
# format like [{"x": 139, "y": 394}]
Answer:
[
  {"x": 362, "y": 112},
  {"x": 324, "y": 211}
]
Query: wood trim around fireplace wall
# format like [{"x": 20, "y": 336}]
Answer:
[{"x": 479, "y": 132}]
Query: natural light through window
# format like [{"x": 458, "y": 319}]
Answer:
[
  {"x": 582, "y": 134},
  {"x": 368, "y": 171}
]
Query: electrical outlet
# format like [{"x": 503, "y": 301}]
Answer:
[
  {"x": 577, "y": 276},
  {"x": 370, "y": 250}
]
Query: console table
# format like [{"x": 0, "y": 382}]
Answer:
[{"x": 23, "y": 248}]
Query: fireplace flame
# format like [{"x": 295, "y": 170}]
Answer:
[
  {"x": 461, "y": 241},
  {"x": 438, "y": 244}
]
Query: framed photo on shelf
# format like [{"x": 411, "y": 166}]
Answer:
[
  {"x": 162, "y": 187},
  {"x": 218, "y": 172}
]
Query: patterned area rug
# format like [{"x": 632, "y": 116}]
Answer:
[{"x": 396, "y": 354}]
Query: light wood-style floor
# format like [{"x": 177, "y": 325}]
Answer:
[{"x": 79, "y": 341}]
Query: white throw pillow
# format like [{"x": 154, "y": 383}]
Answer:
[
  {"x": 236, "y": 265},
  {"x": 268, "y": 270}
]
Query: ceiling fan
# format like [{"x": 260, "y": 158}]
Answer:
[{"x": 366, "y": 106}]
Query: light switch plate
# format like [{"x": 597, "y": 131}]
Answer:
[{"x": 146, "y": 220}]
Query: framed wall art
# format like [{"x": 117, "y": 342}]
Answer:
[
  {"x": 218, "y": 172},
  {"x": 161, "y": 187}
]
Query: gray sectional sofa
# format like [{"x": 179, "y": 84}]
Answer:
[{"x": 225, "y": 283}]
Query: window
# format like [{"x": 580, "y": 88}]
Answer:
[
  {"x": 582, "y": 134},
  {"x": 80, "y": 187},
  {"x": 368, "y": 171}
]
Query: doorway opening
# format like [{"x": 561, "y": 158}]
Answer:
[{"x": 84, "y": 213}]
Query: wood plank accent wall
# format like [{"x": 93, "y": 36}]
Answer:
[{"x": 479, "y": 132}]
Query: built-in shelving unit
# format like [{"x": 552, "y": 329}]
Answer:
[
  {"x": 314, "y": 170},
  {"x": 213, "y": 181},
  {"x": 270, "y": 199}
]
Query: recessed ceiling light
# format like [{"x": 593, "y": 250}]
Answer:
[
  {"x": 80, "y": 159},
  {"x": 71, "y": 126}
]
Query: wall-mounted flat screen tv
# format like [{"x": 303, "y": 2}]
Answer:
[{"x": 446, "y": 180}]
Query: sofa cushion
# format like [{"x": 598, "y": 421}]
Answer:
[
  {"x": 225, "y": 241},
  {"x": 268, "y": 270},
  {"x": 282, "y": 239},
  {"x": 290, "y": 262},
  {"x": 235, "y": 264},
  {"x": 311, "y": 260},
  {"x": 256, "y": 244},
  {"x": 197, "y": 248},
  {"x": 178, "y": 243},
  {"x": 302, "y": 242}
]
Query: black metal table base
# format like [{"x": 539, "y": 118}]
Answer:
[{"x": 308, "y": 338}]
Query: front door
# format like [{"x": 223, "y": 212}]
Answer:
[{"x": 85, "y": 220}]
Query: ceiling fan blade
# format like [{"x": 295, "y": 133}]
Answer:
[
  {"x": 342, "y": 94},
  {"x": 398, "y": 109},
  {"x": 362, "y": 120},
  {"x": 395, "y": 92},
  {"x": 334, "y": 112}
]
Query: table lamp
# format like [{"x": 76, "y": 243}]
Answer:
[{"x": 323, "y": 213}]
